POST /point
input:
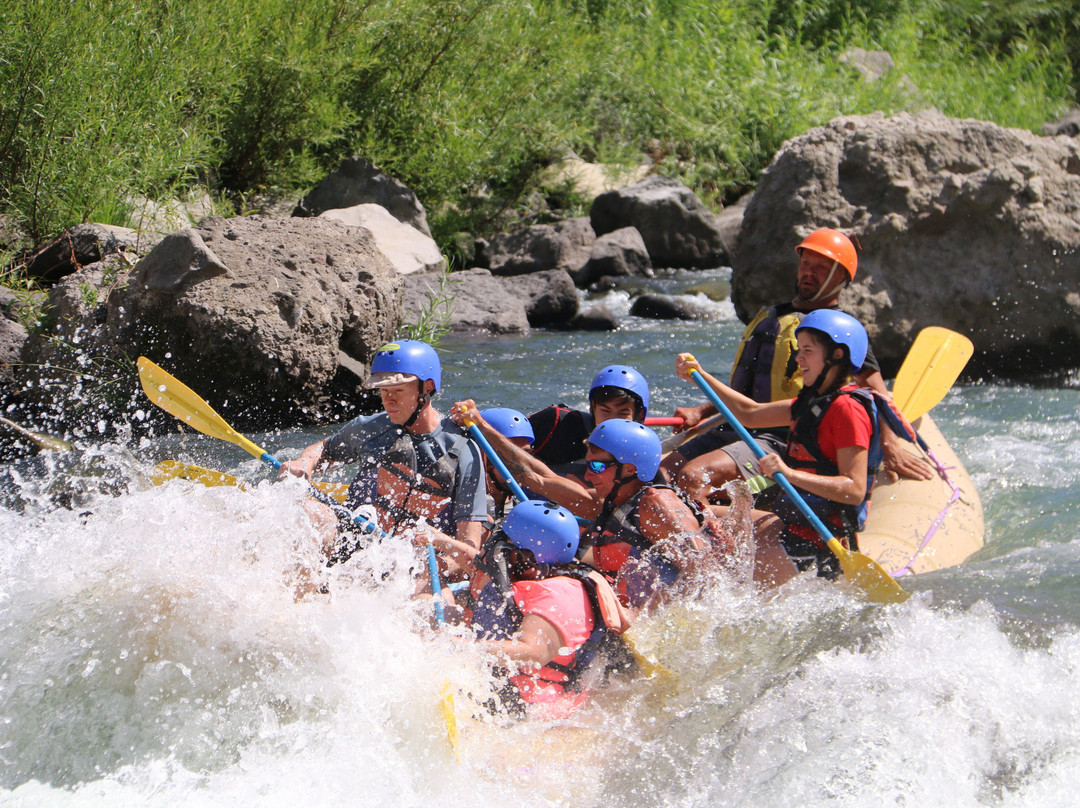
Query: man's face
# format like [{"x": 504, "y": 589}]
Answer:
[
  {"x": 814, "y": 269},
  {"x": 614, "y": 408},
  {"x": 400, "y": 401}
]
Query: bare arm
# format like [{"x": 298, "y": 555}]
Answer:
[
  {"x": 536, "y": 642},
  {"x": 309, "y": 461},
  {"x": 692, "y": 416},
  {"x": 529, "y": 471},
  {"x": 662, "y": 515},
  {"x": 747, "y": 411},
  {"x": 849, "y": 487}
]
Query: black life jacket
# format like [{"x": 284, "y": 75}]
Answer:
[
  {"x": 407, "y": 486},
  {"x": 805, "y": 453},
  {"x": 560, "y": 434}
]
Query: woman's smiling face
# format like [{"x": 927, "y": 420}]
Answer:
[{"x": 811, "y": 356}]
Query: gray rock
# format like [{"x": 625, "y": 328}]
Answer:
[
  {"x": 962, "y": 224},
  {"x": 476, "y": 301},
  {"x": 871, "y": 65},
  {"x": 356, "y": 182},
  {"x": 12, "y": 338},
  {"x": 1068, "y": 124},
  {"x": 666, "y": 307},
  {"x": 729, "y": 221},
  {"x": 564, "y": 245},
  {"x": 408, "y": 249},
  {"x": 619, "y": 253},
  {"x": 677, "y": 228},
  {"x": 485, "y": 302},
  {"x": 251, "y": 313},
  {"x": 596, "y": 318}
]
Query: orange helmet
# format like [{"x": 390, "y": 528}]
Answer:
[{"x": 832, "y": 244}]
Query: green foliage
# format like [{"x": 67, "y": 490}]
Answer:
[
  {"x": 432, "y": 322},
  {"x": 468, "y": 101}
]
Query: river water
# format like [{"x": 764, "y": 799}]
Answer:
[{"x": 151, "y": 652}]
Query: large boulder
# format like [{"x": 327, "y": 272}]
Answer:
[
  {"x": 358, "y": 181},
  {"x": 565, "y": 245},
  {"x": 677, "y": 227},
  {"x": 275, "y": 321},
  {"x": 476, "y": 300},
  {"x": 408, "y": 249},
  {"x": 961, "y": 224}
]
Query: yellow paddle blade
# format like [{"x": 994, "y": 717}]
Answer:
[
  {"x": 44, "y": 442},
  {"x": 179, "y": 400},
  {"x": 868, "y": 575},
  {"x": 646, "y": 661},
  {"x": 175, "y": 470},
  {"x": 934, "y": 362},
  {"x": 449, "y": 716}
]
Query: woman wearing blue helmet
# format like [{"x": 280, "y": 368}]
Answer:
[{"x": 833, "y": 447}]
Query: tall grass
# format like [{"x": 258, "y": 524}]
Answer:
[{"x": 467, "y": 100}]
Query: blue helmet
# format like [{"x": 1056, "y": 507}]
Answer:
[
  {"x": 842, "y": 329},
  {"x": 630, "y": 442},
  {"x": 509, "y": 423},
  {"x": 404, "y": 361},
  {"x": 550, "y": 531},
  {"x": 624, "y": 378}
]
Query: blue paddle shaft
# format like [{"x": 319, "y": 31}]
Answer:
[
  {"x": 362, "y": 522},
  {"x": 759, "y": 453},
  {"x": 436, "y": 587},
  {"x": 496, "y": 461}
]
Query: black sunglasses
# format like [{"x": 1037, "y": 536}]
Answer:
[{"x": 600, "y": 466}]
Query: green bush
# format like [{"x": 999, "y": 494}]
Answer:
[{"x": 468, "y": 101}]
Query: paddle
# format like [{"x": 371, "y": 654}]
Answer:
[
  {"x": 175, "y": 470},
  {"x": 860, "y": 569},
  {"x": 933, "y": 363},
  {"x": 44, "y": 442},
  {"x": 181, "y": 401},
  {"x": 446, "y": 698},
  {"x": 500, "y": 466}
]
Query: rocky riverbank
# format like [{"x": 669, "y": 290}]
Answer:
[{"x": 961, "y": 223}]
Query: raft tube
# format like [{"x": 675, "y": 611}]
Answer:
[{"x": 924, "y": 525}]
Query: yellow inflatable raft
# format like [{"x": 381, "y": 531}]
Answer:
[{"x": 918, "y": 526}]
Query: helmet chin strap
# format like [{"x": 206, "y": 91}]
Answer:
[
  {"x": 421, "y": 400},
  {"x": 821, "y": 292},
  {"x": 617, "y": 484},
  {"x": 830, "y": 363}
]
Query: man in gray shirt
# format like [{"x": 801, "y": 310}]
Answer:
[{"x": 415, "y": 465}]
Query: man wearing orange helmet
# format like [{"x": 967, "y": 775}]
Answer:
[{"x": 765, "y": 370}]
